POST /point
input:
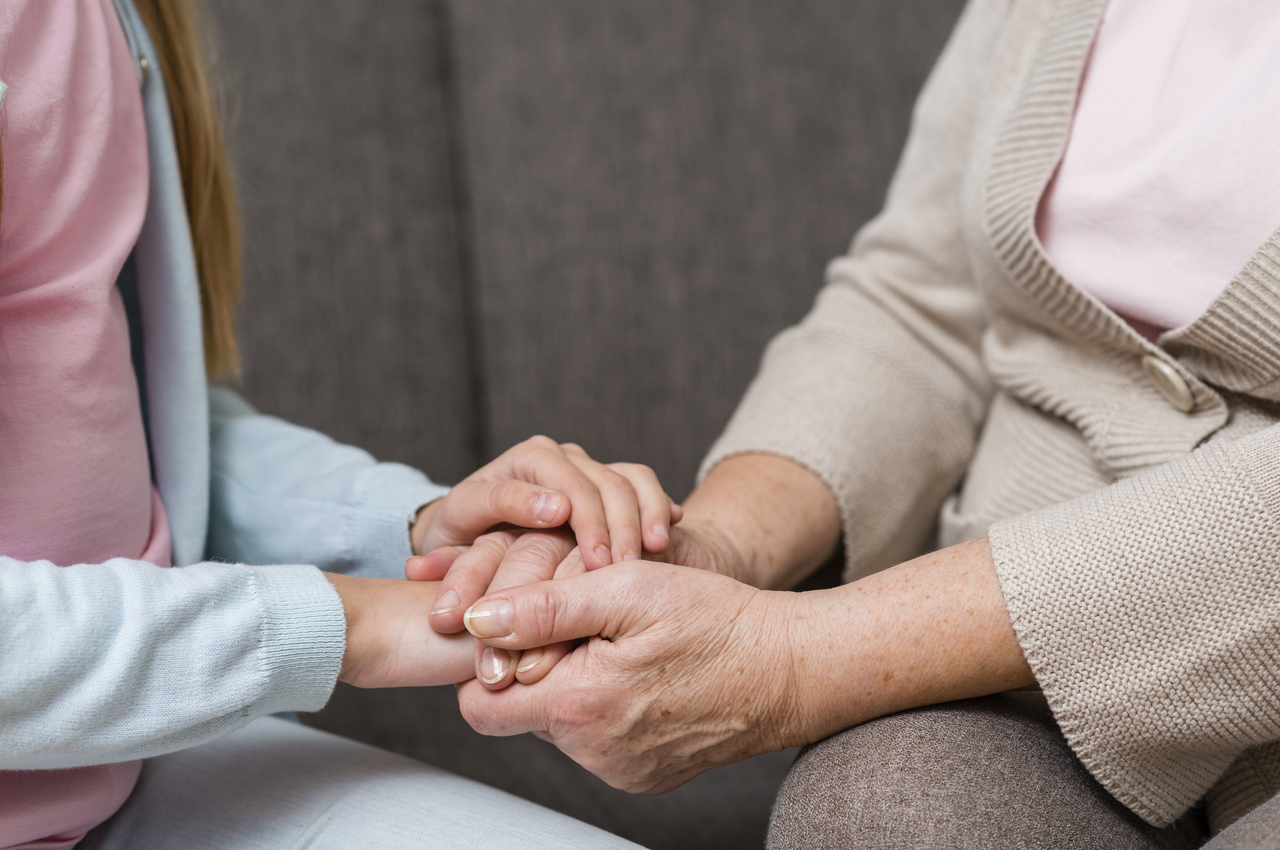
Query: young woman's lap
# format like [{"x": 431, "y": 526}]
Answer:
[{"x": 276, "y": 784}]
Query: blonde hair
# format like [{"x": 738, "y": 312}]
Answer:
[{"x": 206, "y": 174}]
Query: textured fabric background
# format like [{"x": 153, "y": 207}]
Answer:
[
  {"x": 468, "y": 221},
  {"x": 655, "y": 188},
  {"x": 354, "y": 320}
]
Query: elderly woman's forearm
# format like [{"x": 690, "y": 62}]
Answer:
[
  {"x": 729, "y": 671},
  {"x": 931, "y": 630},
  {"x": 778, "y": 520}
]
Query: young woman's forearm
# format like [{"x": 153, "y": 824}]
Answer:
[
  {"x": 928, "y": 631},
  {"x": 767, "y": 521},
  {"x": 390, "y": 644}
]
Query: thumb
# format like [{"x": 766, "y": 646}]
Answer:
[{"x": 605, "y": 602}]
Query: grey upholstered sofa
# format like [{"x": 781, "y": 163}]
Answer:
[{"x": 469, "y": 221}]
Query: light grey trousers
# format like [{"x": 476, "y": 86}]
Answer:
[
  {"x": 274, "y": 785},
  {"x": 989, "y": 774}
]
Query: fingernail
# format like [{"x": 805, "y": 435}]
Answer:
[
  {"x": 529, "y": 660},
  {"x": 446, "y": 603},
  {"x": 493, "y": 618},
  {"x": 493, "y": 665},
  {"x": 548, "y": 506},
  {"x": 630, "y": 556},
  {"x": 661, "y": 531},
  {"x": 602, "y": 552}
]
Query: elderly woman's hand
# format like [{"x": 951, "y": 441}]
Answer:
[
  {"x": 511, "y": 558},
  {"x": 686, "y": 670},
  {"x": 758, "y": 518},
  {"x": 503, "y": 560}
]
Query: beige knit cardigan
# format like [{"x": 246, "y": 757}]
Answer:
[{"x": 950, "y": 381}]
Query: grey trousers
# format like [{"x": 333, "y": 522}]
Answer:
[
  {"x": 275, "y": 785},
  {"x": 987, "y": 774}
]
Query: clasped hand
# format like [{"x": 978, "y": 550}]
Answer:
[
  {"x": 653, "y": 672},
  {"x": 650, "y": 673},
  {"x": 615, "y": 512}
]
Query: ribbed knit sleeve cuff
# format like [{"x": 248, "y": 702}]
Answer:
[
  {"x": 302, "y": 639},
  {"x": 390, "y": 496},
  {"x": 1149, "y": 612}
]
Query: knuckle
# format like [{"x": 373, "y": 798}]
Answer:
[
  {"x": 544, "y": 547},
  {"x": 518, "y": 571},
  {"x": 607, "y": 767},
  {"x": 493, "y": 499},
  {"x": 494, "y": 542},
  {"x": 504, "y": 495},
  {"x": 565, "y": 717},
  {"x": 464, "y": 572},
  {"x": 484, "y": 554},
  {"x": 540, "y": 441},
  {"x": 639, "y": 470},
  {"x": 615, "y": 483},
  {"x": 546, "y": 609},
  {"x": 474, "y": 718},
  {"x": 536, "y": 554}
]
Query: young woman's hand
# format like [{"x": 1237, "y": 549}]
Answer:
[{"x": 617, "y": 511}]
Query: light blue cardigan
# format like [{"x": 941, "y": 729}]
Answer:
[{"x": 118, "y": 661}]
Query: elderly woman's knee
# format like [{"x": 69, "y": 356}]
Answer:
[
  {"x": 990, "y": 773},
  {"x": 874, "y": 784}
]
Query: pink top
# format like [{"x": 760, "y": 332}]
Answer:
[
  {"x": 75, "y": 481},
  {"x": 1171, "y": 177}
]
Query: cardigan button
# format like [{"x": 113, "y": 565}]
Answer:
[{"x": 1169, "y": 383}]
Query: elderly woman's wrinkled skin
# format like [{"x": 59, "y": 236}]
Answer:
[{"x": 683, "y": 669}]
